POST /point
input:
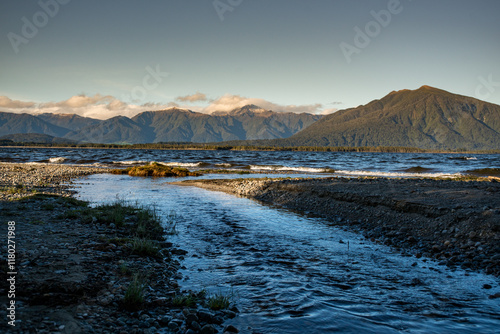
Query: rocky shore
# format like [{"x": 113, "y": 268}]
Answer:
[
  {"x": 454, "y": 222},
  {"x": 81, "y": 269}
]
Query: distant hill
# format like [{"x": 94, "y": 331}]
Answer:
[
  {"x": 246, "y": 123},
  {"x": 23, "y": 123},
  {"x": 171, "y": 125},
  {"x": 69, "y": 121},
  {"x": 427, "y": 118}
]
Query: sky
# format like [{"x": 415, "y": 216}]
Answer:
[{"x": 106, "y": 58}]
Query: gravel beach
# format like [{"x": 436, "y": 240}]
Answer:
[
  {"x": 455, "y": 222},
  {"x": 78, "y": 269}
]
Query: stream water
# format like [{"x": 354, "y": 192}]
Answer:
[{"x": 288, "y": 273}]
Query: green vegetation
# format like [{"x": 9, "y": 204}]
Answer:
[
  {"x": 262, "y": 145},
  {"x": 145, "y": 247},
  {"x": 185, "y": 300},
  {"x": 134, "y": 296},
  {"x": 219, "y": 301},
  {"x": 426, "y": 118},
  {"x": 170, "y": 223},
  {"x": 156, "y": 170}
]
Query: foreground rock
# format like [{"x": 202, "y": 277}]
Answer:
[{"x": 454, "y": 222}]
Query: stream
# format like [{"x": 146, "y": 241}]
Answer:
[{"x": 289, "y": 273}]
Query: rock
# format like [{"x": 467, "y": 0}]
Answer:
[
  {"x": 173, "y": 325},
  {"x": 207, "y": 329},
  {"x": 495, "y": 296},
  {"x": 231, "y": 329},
  {"x": 190, "y": 318},
  {"x": 196, "y": 326},
  {"x": 206, "y": 316}
]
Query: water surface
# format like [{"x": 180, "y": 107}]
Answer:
[{"x": 293, "y": 274}]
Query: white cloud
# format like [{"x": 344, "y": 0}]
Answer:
[
  {"x": 229, "y": 102},
  {"x": 192, "y": 98},
  {"x": 106, "y": 106},
  {"x": 97, "y": 106},
  {"x": 5, "y": 102}
]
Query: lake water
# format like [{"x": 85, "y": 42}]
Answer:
[
  {"x": 289, "y": 273},
  {"x": 344, "y": 163}
]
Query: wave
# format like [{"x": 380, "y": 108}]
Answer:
[
  {"x": 420, "y": 158},
  {"x": 185, "y": 164},
  {"x": 417, "y": 169},
  {"x": 462, "y": 158},
  {"x": 57, "y": 160},
  {"x": 394, "y": 174},
  {"x": 291, "y": 169},
  {"x": 131, "y": 162},
  {"x": 225, "y": 165}
]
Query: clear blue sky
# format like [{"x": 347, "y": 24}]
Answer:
[{"x": 284, "y": 51}]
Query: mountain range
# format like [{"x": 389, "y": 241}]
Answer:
[
  {"x": 427, "y": 118},
  {"x": 170, "y": 125}
]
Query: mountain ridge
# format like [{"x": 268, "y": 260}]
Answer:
[
  {"x": 428, "y": 118},
  {"x": 168, "y": 125}
]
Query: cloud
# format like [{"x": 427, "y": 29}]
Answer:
[
  {"x": 192, "y": 98},
  {"x": 106, "y": 106},
  {"x": 96, "y": 106},
  {"x": 229, "y": 102},
  {"x": 5, "y": 102}
]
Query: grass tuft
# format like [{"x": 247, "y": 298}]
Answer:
[
  {"x": 134, "y": 296},
  {"x": 220, "y": 301},
  {"x": 145, "y": 247},
  {"x": 185, "y": 300}
]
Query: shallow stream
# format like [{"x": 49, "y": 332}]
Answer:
[{"x": 289, "y": 273}]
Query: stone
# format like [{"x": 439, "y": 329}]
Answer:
[
  {"x": 208, "y": 329},
  {"x": 231, "y": 329}
]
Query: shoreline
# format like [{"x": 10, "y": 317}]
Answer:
[
  {"x": 82, "y": 269},
  {"x": 456, "y": 223},
  {"x": 222, "y": 147}
]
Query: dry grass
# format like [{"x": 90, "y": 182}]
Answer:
[{"x": 156, "y": 170}]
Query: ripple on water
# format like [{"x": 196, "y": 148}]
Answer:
[{"x": 290, "y": 274}]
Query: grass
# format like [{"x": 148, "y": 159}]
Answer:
[
  {"x": 142, "y": 221},
  {"x": 145, "y": 247},
  {"x": 149, "y": 224},
  {"x": 220, "y": 301},
  {"x": 134, "y": 296},
  {"x": 18, "y": 189},
  {"x": 185, "y": 300},
  {"x": 156, "y": 170},
  {"x": 170, "y": 224},
  {"x": 125, "y": 269}
]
